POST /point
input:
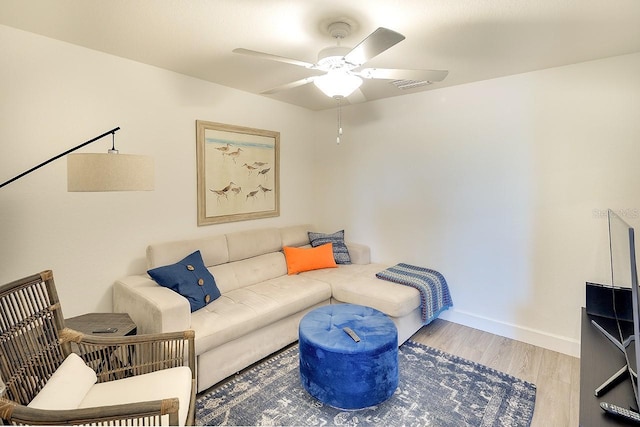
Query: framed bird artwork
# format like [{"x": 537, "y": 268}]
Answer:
[{"x": 238, "y": 173}]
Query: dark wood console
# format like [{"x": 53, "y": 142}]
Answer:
[{"x": 599, "y": 359}]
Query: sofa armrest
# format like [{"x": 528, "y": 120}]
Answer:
[
  {"x": 359, "y": 254},
  {"x": 153, "y": 308}
]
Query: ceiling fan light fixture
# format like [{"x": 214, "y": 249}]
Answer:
[
  {"x": 332, "y": 58},
  {"x": 338, "y": 84},
  {"x": 343, "y": 65}
]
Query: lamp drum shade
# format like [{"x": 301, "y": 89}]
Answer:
[{"x": 109, "y": 172}]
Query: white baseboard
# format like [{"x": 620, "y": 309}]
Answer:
[{"x": 536, "y": 337}]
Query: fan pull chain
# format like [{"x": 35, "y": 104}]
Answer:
[{"x": 339, "y": 122}]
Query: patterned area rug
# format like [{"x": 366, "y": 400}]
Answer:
[{"x": 436, "y": 389}]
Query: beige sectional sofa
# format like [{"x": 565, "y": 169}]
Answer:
[{"x": 260, "y": 304}]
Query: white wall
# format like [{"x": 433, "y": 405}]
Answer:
[
  {"x": 501, "y": 185},
  {"x": 54, "y": 96}
]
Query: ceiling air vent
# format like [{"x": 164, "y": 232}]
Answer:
[{"x": 409, "y": 84}]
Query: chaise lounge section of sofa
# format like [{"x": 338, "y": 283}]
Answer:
[{"x": 260, "y": 305}]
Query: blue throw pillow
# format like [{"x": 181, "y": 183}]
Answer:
[
  {"x": 190, "y": 278},
  {"x": 340, "y": 251}
]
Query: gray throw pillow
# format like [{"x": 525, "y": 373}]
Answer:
[{"x": 340, "y": 251}]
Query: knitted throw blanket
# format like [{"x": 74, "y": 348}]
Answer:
[{"x": 434, "y": 292}]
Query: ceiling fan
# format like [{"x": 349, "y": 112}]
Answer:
[{"x": 341, "y": 67}]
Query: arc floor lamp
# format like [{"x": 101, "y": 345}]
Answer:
[{"x": 109, "y": 171}]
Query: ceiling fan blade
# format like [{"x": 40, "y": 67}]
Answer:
[
  {"x": 291, "y": 85},
  {"x": 376, "y": 43},
  {"x": 273, "y": 57},
  {"x": 395, "y": 74}
]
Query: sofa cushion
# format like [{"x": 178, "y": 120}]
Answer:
[
  {"x": 340, "y": 251},
  {"x": 163, "y": 384},
  {"x": 238, "y": 274},
  {"x": 247, "y": 244},
  {"x": 358, "y": 284},
  {"x": 213, "y": 250},
  {"x": 247, "y": 309},
  {"x": 295, "y": 235},
  {"x": 305, "y": 259},
  {"x": 190, "y": 278},
  {"x": 67, "y": 386}
]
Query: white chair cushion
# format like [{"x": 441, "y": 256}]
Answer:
[
  {"x": 164, "y": 384},
  {"x": 67, "y": 386}
]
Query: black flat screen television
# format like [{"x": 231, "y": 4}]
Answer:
[{"x": 624, "y": 274}]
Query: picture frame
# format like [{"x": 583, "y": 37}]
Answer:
[{"x": 238, "y": 171}]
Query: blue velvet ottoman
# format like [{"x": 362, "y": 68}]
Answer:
[{"x": 341, "y": 372}]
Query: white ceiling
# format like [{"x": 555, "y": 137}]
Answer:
[{"x": 473, "y": 39}]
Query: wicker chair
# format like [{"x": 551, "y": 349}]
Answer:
[{"x": 34, "y": 342}]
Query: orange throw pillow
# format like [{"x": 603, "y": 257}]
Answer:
[{"x": 305, "y": 259}]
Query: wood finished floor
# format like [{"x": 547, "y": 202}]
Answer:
[{"x": 556, "y": 375}]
